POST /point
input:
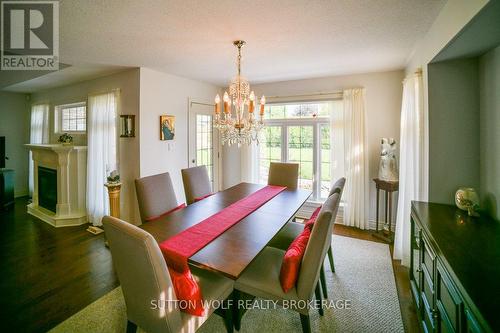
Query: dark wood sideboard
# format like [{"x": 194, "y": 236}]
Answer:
[{"x": 455, "y": 269}]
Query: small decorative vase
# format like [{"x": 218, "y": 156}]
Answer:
[{"x": 466, "y": 198}]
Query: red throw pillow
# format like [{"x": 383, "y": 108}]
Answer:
[
  {"x": 292, "y": 259},
  {"x": 203, "y": 197},
  {"x": 166, "y": 213},
  {"x": 312, "y": 219}
]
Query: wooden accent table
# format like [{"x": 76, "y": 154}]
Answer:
[{"x": 388, "y": 187}]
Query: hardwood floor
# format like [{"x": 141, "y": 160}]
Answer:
[{"x": 49, "y": 274}]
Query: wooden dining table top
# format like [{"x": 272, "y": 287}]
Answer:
[{"x": 232, "y": 251}]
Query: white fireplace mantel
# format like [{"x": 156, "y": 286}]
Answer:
[{"x": 71, "y": 165}]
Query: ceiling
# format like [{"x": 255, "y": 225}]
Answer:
[{"x": 286, "y": 39}]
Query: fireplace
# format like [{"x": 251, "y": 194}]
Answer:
[{"x": 47, "y": 188}]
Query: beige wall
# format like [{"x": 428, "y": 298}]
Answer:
[
  {"x": 165, "y": 94},
  {"x": 489, "y": 86},
  {"x": 383, "y": 103},
  {"x": 128, "y": 83},
  {"x": 14, "y": 125}
]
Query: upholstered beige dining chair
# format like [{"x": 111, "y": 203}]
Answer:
[
  {"x": 291, "y": 230},
  {"x": 261, "y": 277},
  {"x": 155, "y": 195},
  {"x": 196, "y": 183},
  {"x": 146, "y": 285},
  {"x": 284, "y": 174}
]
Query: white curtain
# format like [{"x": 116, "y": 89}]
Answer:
[
  {"x": 39, "y": 134},
  {"x": 411, "y": 159},
  {"x": 356, "y": 195},
  {"x": 102, "y": 152},
  {"x": 249, "y": 163},
  {"x": 337, "y": 166}
]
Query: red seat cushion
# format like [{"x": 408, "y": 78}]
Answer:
[
  {"x": 309, "y": 224},
  {"x": 292, "y": 259},
  {"x": 166, "y": 213}
]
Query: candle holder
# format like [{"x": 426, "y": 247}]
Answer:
[{"x": 127, "y": 126}]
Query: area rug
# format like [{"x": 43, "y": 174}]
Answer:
[{"x": 363, "y": 283}]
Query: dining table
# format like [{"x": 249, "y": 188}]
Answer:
[{"x": 232, "y": 251}]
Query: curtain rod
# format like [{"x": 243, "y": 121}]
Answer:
[
  {"x": 309, "y": 95},
  {"x": 105, "y": 92}
]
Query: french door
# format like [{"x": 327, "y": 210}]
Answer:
[
  {"x": 203, "y": 140},
  {"x": 305, "y": 142}
]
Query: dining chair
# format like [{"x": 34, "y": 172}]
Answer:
[
  {"x": 196, "y": 182},
  {"x": 284, "y": 174},
  {"x": 146, "y": 285},
  {"x": 262, "y": 277},
  {"x": 291, "y": 230},
  {"x": 156, "y": 196}
]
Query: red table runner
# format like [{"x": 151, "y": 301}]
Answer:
[{"x": 180, "y": 247}]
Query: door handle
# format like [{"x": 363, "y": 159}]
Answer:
[{"x": 193, "y": 161}]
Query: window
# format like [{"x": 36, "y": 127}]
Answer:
[
  {"x": 71, "y": 117},
  {"x": 299, "y": 133},
  {"x": 204, "y": 147}
]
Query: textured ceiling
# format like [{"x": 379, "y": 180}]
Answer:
[{"x": 287, "y": 39}]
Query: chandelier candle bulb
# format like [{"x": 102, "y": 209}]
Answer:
[
  {"x": 226, "y": 103},
  {"x": 217, "y": 104},
  {"x": 262, "y": 103}
]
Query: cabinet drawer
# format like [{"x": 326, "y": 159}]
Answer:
[
  {"x": 427, "y": 290},
  {"x": 448, "y": 301},
  {"x": 427, "y": 320},
  {"x": 428, "y": 258}
]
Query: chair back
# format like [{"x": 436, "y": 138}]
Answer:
[
  {"x": 156, "y": 195},
  {"x": 338, "y": 187},
  {"x": 317, "y": 247},
  {"x": 284, "y": 174},
  {"x": 143, "y": 276},
  {"x": 196, "y": 183}
]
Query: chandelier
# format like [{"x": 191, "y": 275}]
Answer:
[{"x": 236, "y": 127}]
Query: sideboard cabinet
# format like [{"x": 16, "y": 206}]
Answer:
[{"x": 454, "y": 269}]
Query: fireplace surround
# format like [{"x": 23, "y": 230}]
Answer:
[{"x": 60, "y": 175}]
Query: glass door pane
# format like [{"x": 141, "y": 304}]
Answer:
[
  {"x": 325, "y": 161},
  {"x": 204, "y": 145},
  {"x": 269, "y": 151},
  {"x": 301, "y": 150}
]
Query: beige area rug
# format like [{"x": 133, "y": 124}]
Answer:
[{"x": 364, "y": 278}]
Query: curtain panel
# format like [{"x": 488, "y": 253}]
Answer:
[
  {"x": 356, "y": 192},
  {"x": 411, "y": 159},
  {"x": 102, "y": 152},
  {"x": 39, "y": 134}
]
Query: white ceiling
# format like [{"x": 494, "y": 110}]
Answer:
[{"x": 286, "y": 39}]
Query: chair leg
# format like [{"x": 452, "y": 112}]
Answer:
[
  {"x": 236, "y": 311},
  {"x": 323, "y": 282},
  {"x": 318, "y": 297},
  {"x": 131, "y": 327},
  {"x": 306, "y": 323},
  {"x": 228, "y": 320},
  {"x": 330, "y": 257}
]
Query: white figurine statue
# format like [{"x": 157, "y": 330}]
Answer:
[{"x": 388, "y": 167}]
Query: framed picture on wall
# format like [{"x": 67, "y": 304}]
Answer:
[{"x": 167, "y": 127}]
